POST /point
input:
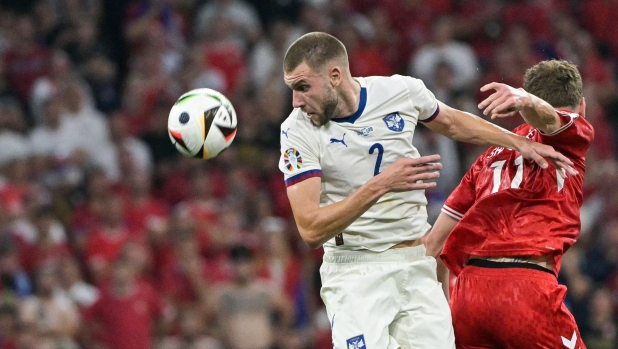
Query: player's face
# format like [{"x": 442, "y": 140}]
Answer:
[{"x": 312, "y": 93}]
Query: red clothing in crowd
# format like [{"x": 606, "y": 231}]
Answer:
[
  {"x": 24, "y": 68},
  {"x": 126, "y": 322},
  {"x": 106, "y": 247}
]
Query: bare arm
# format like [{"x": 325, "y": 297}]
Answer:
[
  {"x": 443, "y": 278},
  {"x": 434, "y": 240},
  {"x": 319, "y": 224},
  {"x": 465, "y": 127},
  {"x": 508, "y": 100}
]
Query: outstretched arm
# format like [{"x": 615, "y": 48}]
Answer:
[
  {"x": 465, "y": 127},
  {"x": 317, "y": 225},
  {"x": 508, "y": 100}
]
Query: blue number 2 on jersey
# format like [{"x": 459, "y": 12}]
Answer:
[{"x": 380, "y": 148}]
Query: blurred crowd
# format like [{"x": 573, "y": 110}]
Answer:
[{"x": 109, "y": 239}]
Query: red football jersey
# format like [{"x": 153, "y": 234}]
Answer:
[{"x": 509, "y": 206}]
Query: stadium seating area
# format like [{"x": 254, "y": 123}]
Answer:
[{"x": 110, "y": 239}]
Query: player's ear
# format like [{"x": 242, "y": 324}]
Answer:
[
  {"x": 582, "y": 108},
  {"x": 334, "y": 76}
]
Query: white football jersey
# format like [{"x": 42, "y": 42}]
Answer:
[{"x": 347, "y": 152}]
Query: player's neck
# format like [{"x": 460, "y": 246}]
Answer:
[
  {"x": 569, "y": 109},
  {"x": 349, "y": 98}
]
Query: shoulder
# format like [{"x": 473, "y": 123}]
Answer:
[
  {"x": 389, "y": 82},
  {"x": 396, "y": 85},
  {"x": 295, "y": 119},
  {"x": 297, "y": 126}
]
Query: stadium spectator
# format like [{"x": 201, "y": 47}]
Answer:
[
  {"x": 73, "y": 286},
  {"x": 242, "y": 310},
  {"x": 192, "y": 333},
  {"x": 124, "y": 315},
  {"x": 15, "y": 280},
  {"x": 443, "y": 48},
  {"x": 51, "y": 316}
]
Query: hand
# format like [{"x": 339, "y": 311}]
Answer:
[
  {"x": 539, "y": 152},
  {"x": 505, "y": 102},
  {"x": 409, "y": 174}
]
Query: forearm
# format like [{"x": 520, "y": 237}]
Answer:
[
  {"x": 443, "y": 277},
  {"x": 439, "y": 232},
  {"x": 466, "y": 127},
  {"x": 323, "y": 223},
  {"x": 540, "y": 114}
]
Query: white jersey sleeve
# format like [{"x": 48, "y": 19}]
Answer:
[
  {"x": 299, "y": 149},
  {"x": 421, "y": 99}
]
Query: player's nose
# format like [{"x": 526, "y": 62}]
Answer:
[{"x": 297, "y": 99}]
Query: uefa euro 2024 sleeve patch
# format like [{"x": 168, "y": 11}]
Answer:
[
  {"x": 292, "y": 159},
  {"x": 357, "y": 342},
  {"x": 394, "y": 122}
]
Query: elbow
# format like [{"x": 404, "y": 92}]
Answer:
[{"x": 311, "y": 239}]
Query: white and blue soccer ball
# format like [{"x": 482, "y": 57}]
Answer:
[{"x": 202, "y": 123}]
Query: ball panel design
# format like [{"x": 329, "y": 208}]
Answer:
[{"x": 202, "y": 123}]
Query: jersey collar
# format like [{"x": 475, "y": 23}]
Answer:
[{"x": 361, "y": 106}]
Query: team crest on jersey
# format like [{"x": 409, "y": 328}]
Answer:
[
  {"x": 365, "y": 131},
  {"x": 394, "y": 122},
  {"x": 292, "y": 159},
  {"x": 357, "y": 342}
]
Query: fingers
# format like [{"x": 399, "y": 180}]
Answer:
[
  {"x": 427, "y": 175},
  {"x": 410, "y": 174},
  {"x": 430, "y": 167},
  {"x": 424, "y": 160},
  {"x": 565, "y": 169},
  {"x": 549, "y": 152},
  {"x": 506, "y": 107},
  {"x": 504, "y": 114},
  {"x": 490, "y": 86},
  {"x": 538, "y": 159},
  {"x": 501, "y": 100},
  {"x": 489, "y": 100},
  {"x": 421, "y": 186}
]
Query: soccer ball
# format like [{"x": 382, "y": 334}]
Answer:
[{"x": 202, "y": 123}]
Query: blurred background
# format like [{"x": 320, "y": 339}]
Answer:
[{"x": 110, "y": 239}]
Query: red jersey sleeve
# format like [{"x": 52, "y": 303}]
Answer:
[
  {"x": 464, "y": 196},
  {"x": 573, "y": 139}
]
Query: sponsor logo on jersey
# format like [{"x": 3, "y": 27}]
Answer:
[
  {"x": 394, "y": 122},
  {"x": 342, "y": 140},
  {"x": 285, "y": 132},
  {"x": 365, "y": 131},
  {"x": 292, "y": 159},
  {"x": 357, "y": 342}
]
